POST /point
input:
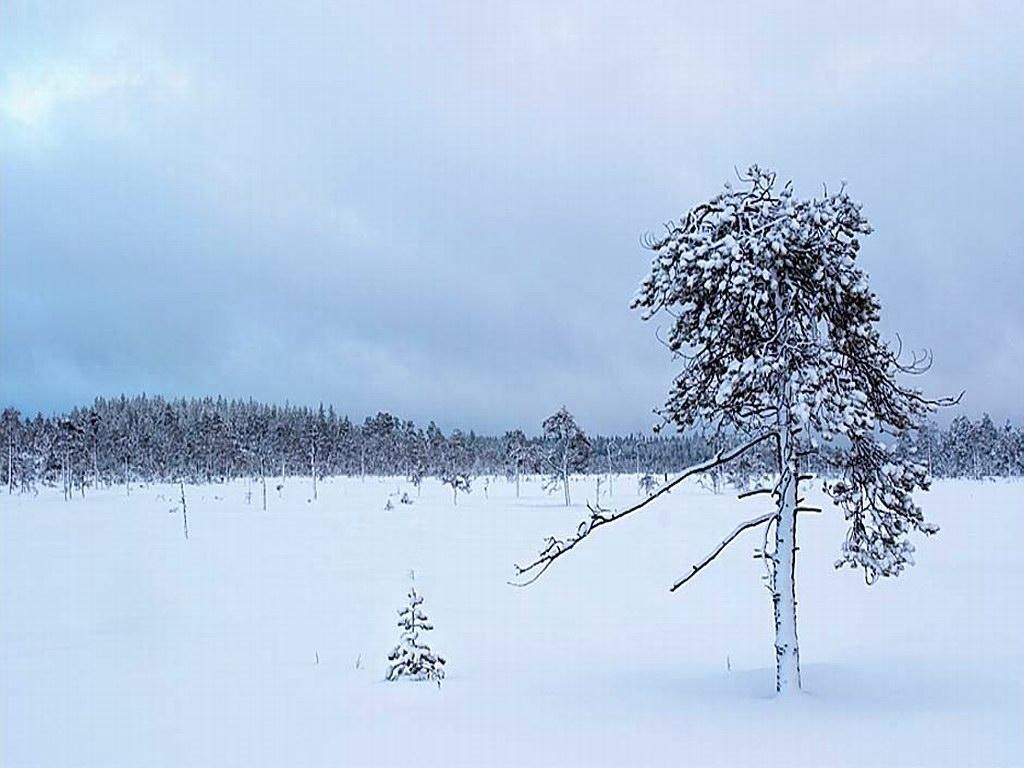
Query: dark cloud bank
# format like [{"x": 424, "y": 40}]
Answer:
[{"x": 439, "y": 212}]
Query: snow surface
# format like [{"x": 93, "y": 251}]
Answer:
[{"x": 124, "y": 645}]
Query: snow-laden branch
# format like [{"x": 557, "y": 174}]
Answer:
[
  {"x": 767, "y": 517},
  {"x": 554, "y": 548}
]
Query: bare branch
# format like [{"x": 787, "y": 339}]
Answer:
[
  {"x": 555, "y": 548},
  {"x": 722, "y": 545}
]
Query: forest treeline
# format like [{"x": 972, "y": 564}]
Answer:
[{"x": 153, "y": 439}]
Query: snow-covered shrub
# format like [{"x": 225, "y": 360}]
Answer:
[{"x": 647, "y": 485}]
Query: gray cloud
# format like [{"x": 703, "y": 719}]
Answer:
[{"x": 438, "y": 211}]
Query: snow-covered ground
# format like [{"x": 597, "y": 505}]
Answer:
[{"x": 125, "y": 645}]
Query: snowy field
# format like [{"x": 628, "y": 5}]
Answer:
[{"x": 262, "y": 641}]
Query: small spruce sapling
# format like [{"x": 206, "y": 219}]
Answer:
[{"x": 412, "y": 657}]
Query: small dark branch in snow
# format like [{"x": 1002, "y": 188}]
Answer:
[
  {"x": 555, "y": 548},
  {"x": 766, "y": 556},
  {"x": 809, "y": 509},
  {"x": 722, "y": 545},
  {"x": 756, "y": 492}
]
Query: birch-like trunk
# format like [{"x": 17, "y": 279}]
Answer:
[
  {"x": 608, "y": 453},
  {"x": 565, "y": 479},
  {"x": 66, "y": 475},
  {"x": 184, "y": 508},
  {"x": 787, "y": 647}
]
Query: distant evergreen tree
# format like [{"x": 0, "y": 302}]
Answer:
[
  {"x": 516, "y": 450},
  {"x": 140, "y": 439},
  {"x": 417, "y": 456},
  {"x": 958, "y": 449},
  {"x": 11, "y": 434},
  {"x": 436, "y": 445},
  {"x": 986, "y": 440},
  {"x": 457, "y": 473}
]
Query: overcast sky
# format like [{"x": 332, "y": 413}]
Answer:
[{"x": 436, "y": 208}]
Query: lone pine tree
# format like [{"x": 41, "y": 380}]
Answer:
[
  {"x": 412, "y": 658},
  {"x": 567, "y": 450},
  {"x": 775, "y": 328}
]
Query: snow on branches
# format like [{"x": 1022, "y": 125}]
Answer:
[
  {"x": 771, "y": 313},
  {"x": 412, "y": 658},
  {"x": 876, "y": 495},
  {"x": 776, "y": 329},
  {"x": 566, "y": 450}
]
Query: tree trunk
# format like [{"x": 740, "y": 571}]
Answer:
[
  {"x": 184, "y": 508},
  {"x": 787, "y": 648},
  {"x": 608, "y": 452},
  {"x": 565, "y": 480},
  {"x": 312, "y": 468}
]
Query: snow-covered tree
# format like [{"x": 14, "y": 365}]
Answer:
[
  {"x": 959, "y": 450},
  {"x": 11, "y": 436},
  {"x": 516, "y": 453},
  {"x": 417, "y": 459},
  {"x": 457, "y": 472},
  {"x": 646, "y": 485},
  {"x": 1007, "y": 451},
  {"x": 380, "y": 435},
  {"x": 986, "y": 440},
  {"x": 775, "y": 328},
  {"x": 412, "y": 657},
  {"x": 566, "y": 450}
]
